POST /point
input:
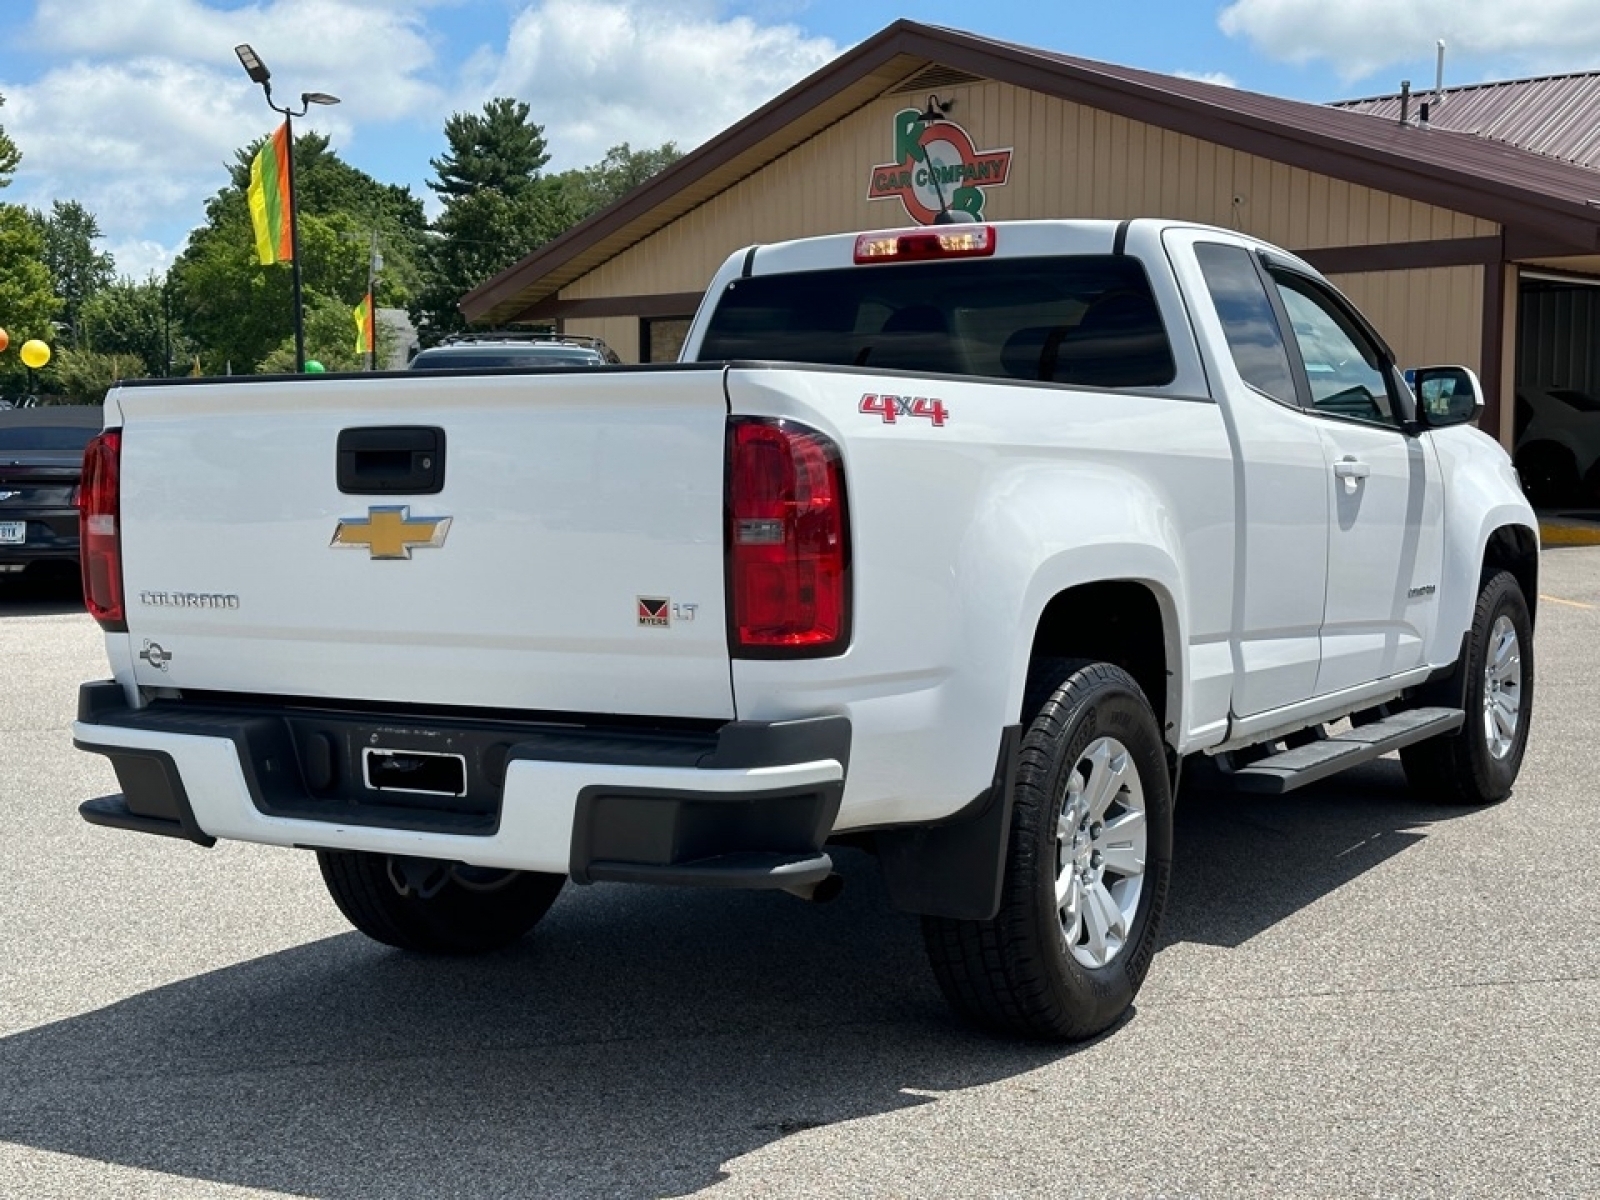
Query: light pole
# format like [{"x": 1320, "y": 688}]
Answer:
[
  {"x": 257, "y": 70},
  {"x": 374, "y": 265},
  {"x": 166, "y": 310}
]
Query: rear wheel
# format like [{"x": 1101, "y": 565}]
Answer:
[
  {"x": 435, "y": 907},
  {"x": 1479, "y": 763},
  {"x": 1086, "y": 872}
]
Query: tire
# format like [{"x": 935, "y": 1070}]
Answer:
[
  {"x": 1092, "y": 750},
  {"x": 1479, "y": 763},
  {"x": 1549, "y": 475},
  {"x": 436, "y": 908},
  {"x": 1591, "y": 485}
]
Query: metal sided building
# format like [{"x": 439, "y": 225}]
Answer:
[{"x": 1429, "y": 230}]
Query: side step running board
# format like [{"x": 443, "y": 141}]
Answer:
[{"x": 1290, "y": 769}]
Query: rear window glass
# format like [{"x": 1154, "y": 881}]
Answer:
[
  {"x": 46, "y": 439},
  {"x": 1086, "y": 320},
  {"x": 1247, "y": 319}
]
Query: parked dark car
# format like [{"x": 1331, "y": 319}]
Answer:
[
  {"x": 540, "y": 351},
  {"x": 41, "y": 456}
]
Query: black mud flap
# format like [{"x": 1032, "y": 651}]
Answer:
[{"x": 955, "y": 868}]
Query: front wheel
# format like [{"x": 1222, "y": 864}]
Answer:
[
  {"x": 1087, "y": 868},
  {"x": 435, "y": 907},
  {"x": 1479, "y": 763}
]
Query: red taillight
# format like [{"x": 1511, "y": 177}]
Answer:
[
  {"x": 788, "y": 542},
  {"x": 100, "y": 530},
  {"x": 947, "y": 241}
]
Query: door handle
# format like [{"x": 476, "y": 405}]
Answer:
[
  {"x": 1351, "y": 468},
  {"x": 379, "y": 460}
]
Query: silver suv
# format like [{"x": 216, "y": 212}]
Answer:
[{"x": 538, "y": 351}]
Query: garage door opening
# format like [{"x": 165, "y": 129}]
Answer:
[{"x": 1557, "y": 447}]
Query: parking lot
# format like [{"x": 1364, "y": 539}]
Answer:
[{"x": 1359, "y": 995}]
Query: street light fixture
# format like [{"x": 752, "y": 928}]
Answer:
[
  {"x": 257, "y": 70},
  {"x": 253, "y": 66}
]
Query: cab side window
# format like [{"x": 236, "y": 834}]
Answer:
[
  {"x": 1248, "y": 321},
  {"x": 1346, "y": 371}
]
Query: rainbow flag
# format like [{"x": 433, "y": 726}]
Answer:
[
  {"x": 364, "y": 326},
  {"x": 269, "y": 198}
]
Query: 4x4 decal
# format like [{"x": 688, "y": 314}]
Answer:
[{"x": 892, "y": 408}]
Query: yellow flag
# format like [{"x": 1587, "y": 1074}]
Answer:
[
  {"x": 268, "y": 195},
  {"x": 364, "y": 330}
]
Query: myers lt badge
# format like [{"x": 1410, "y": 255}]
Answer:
[{"x": 390, "y": 531}]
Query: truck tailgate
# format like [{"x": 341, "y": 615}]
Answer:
[{"x": 581, "y": 569}]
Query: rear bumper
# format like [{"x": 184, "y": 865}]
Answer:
[
  {"x": 50, "y": 534},
  {"x": 741, "y": 804}
]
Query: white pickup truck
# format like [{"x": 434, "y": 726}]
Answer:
[{"x": 952, "y": 544}]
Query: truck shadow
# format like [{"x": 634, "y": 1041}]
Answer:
[
  {"x": 636, "y": 1043},
  {"x": 43, "y": 590},
  {"x": 639, "y": 1040},
  {"x": 1243, "y": 863}
]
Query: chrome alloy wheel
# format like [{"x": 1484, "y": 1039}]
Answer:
[
  {"x": 1101, "y": 841},
  {"x": 1502, "y": 688}
]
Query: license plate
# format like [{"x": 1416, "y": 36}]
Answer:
[{"x": 13, "y": 533}]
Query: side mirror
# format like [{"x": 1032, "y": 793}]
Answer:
[{"x": 1446, "y": 395}]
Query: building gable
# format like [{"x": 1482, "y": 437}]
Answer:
[{"x": 1067, "y": 160}]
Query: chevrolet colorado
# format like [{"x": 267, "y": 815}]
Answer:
[{"x": 954, "y": 544}]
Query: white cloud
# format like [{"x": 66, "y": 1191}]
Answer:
[
  {"x": 1357, "y": 37},
  {"x": 137, "y": 107},
  {"x": 147, "y": 105},
  {"x": 600, "y": 72},
  {"x": 370, "y": 52},
  {"x": 138, "y": 258},
  {"x": 135, "y": 142},
  {"x": 1220, "y": 78}
]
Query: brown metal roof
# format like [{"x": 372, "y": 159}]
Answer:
[
  {"x": 1545, "y": 204},
  {"x": 1555, "y": 115}
]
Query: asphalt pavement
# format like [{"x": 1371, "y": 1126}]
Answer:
[{"x": 1359, "y": 995}]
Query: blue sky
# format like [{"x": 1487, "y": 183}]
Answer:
[{"x": 133, "y": 107}]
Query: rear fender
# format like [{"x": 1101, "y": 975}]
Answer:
[{"x": 1070, "y": 529}]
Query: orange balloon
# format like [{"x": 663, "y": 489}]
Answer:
[{"x": 5, "y": 340}]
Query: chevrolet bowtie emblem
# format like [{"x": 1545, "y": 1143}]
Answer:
[{"x": 390, "y": 531}]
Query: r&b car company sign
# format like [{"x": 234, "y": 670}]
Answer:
[{"x": 937, "y": 171}]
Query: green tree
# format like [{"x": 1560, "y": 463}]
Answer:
[
  {"x": 237, "y": 311},
  {"x": 589, "y": 189},
  {"x": 500, "y": 149},
  {"x": 325, "y": 183},
  {"x": 131, "y": 317},
  {"x": 330, "y": 340},
  {"x": 10, "y": 156},
  {"x": 477, "y": 237},
  {"x": 82, "y": 376},
  {"x": 27, "y": 301},
  {"x": 497, "y": 208},
  {"x": 69, "y": 232}
]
